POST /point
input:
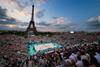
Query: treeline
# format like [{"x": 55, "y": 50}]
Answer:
[{"x": 21, "y": 33}]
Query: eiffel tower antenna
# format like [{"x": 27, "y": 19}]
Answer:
[
  {"x": 32, "y": 18},
  {"x": 31, "y": 28}
]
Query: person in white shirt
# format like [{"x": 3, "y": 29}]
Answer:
[
  {"x": 68, "y": 62},
  {"x": 73, "y": 57},
  {"x": 79, "y": 62},
  {"x": 84, "y": 56},
  {"x": 97, "y": 56}
]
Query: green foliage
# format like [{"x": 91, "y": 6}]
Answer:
[
  {"x": 20, "y": 33},
  {"x": 45, "y": 34}
]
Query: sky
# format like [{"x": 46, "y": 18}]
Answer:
[{"x": 51, "y": 15}]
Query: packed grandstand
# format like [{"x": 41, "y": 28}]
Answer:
[{"x": 80, "y": 49}]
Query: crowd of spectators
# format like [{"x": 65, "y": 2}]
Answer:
[{"x": 80, "y": 50}]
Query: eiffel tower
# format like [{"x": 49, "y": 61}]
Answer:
[{"x": 31, "y": 29}]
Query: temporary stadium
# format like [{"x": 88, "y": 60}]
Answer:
[{"x": 42, "y": 47}]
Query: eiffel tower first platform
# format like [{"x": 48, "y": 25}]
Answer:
[{"x": 31, "y": 27}]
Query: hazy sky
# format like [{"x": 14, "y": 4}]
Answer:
[{"x": 51, "y": 15}]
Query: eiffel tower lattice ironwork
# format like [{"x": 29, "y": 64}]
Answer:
[{"x": 31, "y": 28}]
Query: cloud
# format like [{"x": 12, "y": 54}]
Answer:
[
  {"x": 39, "y": 13},
  {"x": 59, "y": 24},
  {"x": 7, "y": 21},
  {"x": 94, "y": 19},
  {"x": 56, "y": 21},
  {"x": 63, "y": 24},
  {"x": 39, "y": 2},
  {"x": 93, "y": 23},
  {"x": 10, "y": 27},
  {"x": 13, "y": 9},
  {"x": 22, "y": 25},
  {"x": 4, "y": 19},
  {"x": 2, "y": 12},
  {"x": 21, "y": 9},
  {"x": 43, "y": 24},
  {"x": 23, "y": 3}
]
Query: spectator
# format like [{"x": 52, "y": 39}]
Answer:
[{"x": 79, "y": 62}]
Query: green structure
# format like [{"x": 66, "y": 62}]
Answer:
[{"x": 42, "y": 47}]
